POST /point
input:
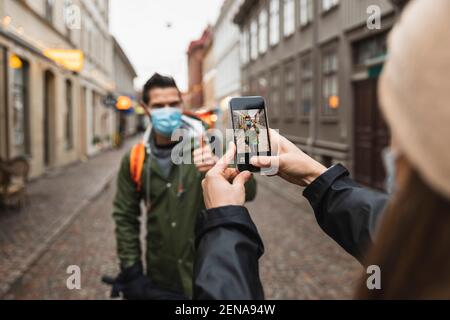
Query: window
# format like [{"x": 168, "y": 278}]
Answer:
[
  {"x": 289, "y": 17},
  {"x": 307, "y": 89},
  {"x": 274, "y": 93},
  {"x": 289, "y": 89},
  {"x": 20, "y": 108},
  {"x": 94, "y": 118},
  {"x": 49, "y": 8},
  {"x": 306, "y": 12},
  {"x": 370, "y": 49},
  {"x": 329, "y": 4},
  {"x": 245, "y": 87},
  {"x": 254, "y": 86},
  {"x": 244, "y": 46},
  {"x": 330, "y": 83},
  {"x": 263, "y": 31},
  {"x": 254, "y": 40},
  {"x": 262, "y": 85},
  {"x": 68, "y": 16},
  {"x": 274, "y": 36},
  {"x": 69, "y": 116}
]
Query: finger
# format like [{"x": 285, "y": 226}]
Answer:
[
  {"x": 275, "y": 145},
  {"x": 209, "y": 159},
  {"x": 242, "y": 178},
  {"x": 230, "y": 173},
  {"x": 209, "y": 165},
  {"x": 201, "y": 140},
  {"x": 204, "y": 169},
  {"x": 264, "y": 162},
  {"x": 198, "y": 152},
  {"x": 223, "y": 163},
  {"x": 204, "y": 184},
  {"x": 202, "y": 151}
]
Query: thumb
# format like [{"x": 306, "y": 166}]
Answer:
[
  {"x": 242, "y": 178},
  {"x": 264, "y": 161}
]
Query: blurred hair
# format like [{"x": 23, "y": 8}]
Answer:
[
  {"x": 399, "y": 5},
  {"x": 412, "y": 247},
  {"x": 157, "y": 81}
]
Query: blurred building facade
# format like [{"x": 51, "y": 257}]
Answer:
[
  {"x": 317, "y": 64},
  {"x": 124, "y": 75},
  {"x": 226, "y": 52},
  {"x": 209, "y": 73},
  {"x": 196, "y": 57},
  {"x": 52, "y": 112}
]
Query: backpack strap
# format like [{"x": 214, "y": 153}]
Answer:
[{"x": 137, "y": 158}]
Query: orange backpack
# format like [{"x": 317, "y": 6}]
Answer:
[{"x": 137, "y": 158}]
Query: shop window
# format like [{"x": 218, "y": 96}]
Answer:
[
  {"x": 20, "y": 106},
  {"x": 69, "y": 116}
]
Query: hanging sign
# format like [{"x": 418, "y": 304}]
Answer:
[{"x": 72, "y": 60}]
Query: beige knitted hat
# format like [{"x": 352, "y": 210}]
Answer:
[{"x": 415, "y": 89}]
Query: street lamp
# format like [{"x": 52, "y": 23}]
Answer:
[
  {"x": 15, "y": 62},
  {"x": 6, "y": 21}
]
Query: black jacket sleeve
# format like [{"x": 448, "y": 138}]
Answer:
[
  {"x": 347, "y": 212},
  {"x": 228, "y": 249}
]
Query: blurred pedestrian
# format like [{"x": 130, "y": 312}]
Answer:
[
  {"x": 413, "y": 243},
  {"x": 410, "y": 240},
  {"x": 172, "y": 195}
]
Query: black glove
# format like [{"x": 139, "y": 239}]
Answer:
[
  {"x": 136, "y": 286},
  {"x": 131, "y": 282}
]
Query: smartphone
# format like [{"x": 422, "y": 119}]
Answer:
[{"x": 251, "y": 130}]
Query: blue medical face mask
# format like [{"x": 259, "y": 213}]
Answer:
[{"x": 166, "y": 120}]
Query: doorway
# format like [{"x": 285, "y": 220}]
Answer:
[
  {"x": 49, "y": 118},
  {"x": 4, "y": 134},
  {"x": 371, "y": 135},
  {"x": 83, "y": 124}
]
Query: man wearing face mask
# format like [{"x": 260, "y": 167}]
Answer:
[{"x": 172, "y": 196}]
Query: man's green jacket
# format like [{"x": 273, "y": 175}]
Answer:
[{"x": 170, "y": 221}]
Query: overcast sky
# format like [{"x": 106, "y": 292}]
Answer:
[{"x": 141, "y": 27}]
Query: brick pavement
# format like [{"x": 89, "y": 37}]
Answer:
[
  {"x": 88, "y": 243},
  {"x": 300, "y": 261},
  {"x": 53, "y": 202}
]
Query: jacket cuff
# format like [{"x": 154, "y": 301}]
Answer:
[
  {"x": 317, "y": 190},
  {"x": 229, "y": 216}
]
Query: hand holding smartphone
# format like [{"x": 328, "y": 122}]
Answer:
[{"x": 251, "y": 130}]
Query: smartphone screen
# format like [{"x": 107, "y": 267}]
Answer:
[{"x": 251, "y": 130}]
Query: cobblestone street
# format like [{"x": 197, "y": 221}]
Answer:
[
  {"x": 300, "y": 261},
  {"x": 53, "y": 201}
]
